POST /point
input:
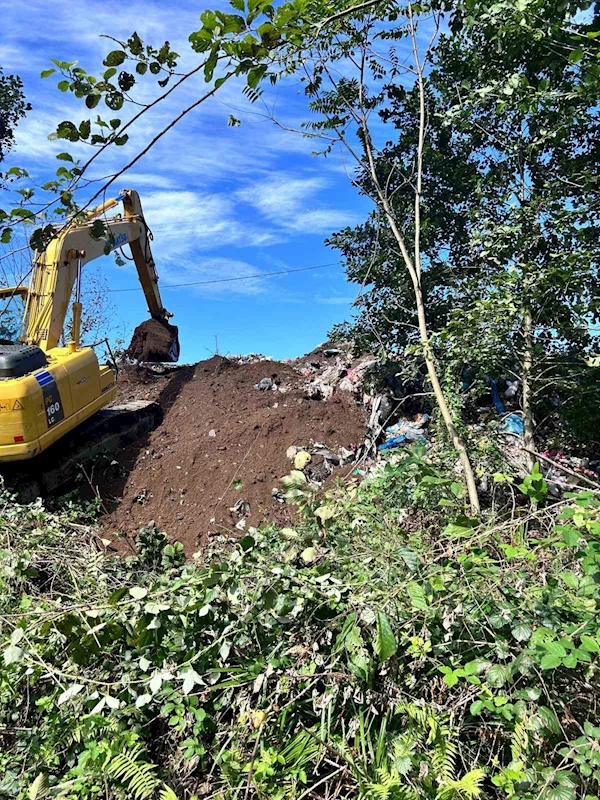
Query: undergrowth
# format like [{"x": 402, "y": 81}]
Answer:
[{"x": 372, "y": 652}]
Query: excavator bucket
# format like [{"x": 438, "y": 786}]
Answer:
[{"x": 154, "y": 341}]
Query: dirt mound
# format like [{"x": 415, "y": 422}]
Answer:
[
  {"x": 154, "y": 341},
  {"x": 222, "y": 445}
]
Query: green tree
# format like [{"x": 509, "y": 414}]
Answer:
[
  {"x": 522, "y": 91},
  {"x": 510, "y": 202},
  {"x": 13, "y": 107}
]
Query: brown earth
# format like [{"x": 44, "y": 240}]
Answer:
[
  {"x": 221, "y": 441},
  {"x": 153, "y": 341}
]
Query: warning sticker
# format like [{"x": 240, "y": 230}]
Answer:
[{"x": 17, "y": 406}]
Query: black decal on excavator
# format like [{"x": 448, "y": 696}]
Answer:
[{"x": 52, "y": 402}]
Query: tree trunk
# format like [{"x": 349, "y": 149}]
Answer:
[
  {"x": 438, "y": 392},
  {"x": 528, "y": 426}
]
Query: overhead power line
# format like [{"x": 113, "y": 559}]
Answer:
[{"x": 229, "y": 280}]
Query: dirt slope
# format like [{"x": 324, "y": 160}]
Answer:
[{"x": 218, "y": 431}]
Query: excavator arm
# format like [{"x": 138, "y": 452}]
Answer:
[{"x": 57, "y": 271}]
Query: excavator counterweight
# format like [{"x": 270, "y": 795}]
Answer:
[{"x": 47, "y": 390}]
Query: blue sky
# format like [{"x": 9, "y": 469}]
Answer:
[{"x": 221, "y": 201}]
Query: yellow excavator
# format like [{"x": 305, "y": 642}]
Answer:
[{"x": 46, "y": 390}]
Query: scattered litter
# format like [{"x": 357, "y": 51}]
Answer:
[
  {"x": 559, "y": 479},
  {"x": 142, "y": 497},
  {"x": 212, "y": 433},
  {"x": 333, "y": 351},
  {"x": 318, "y": 460},
  {"x": 241, "y": 524},
  {"x": 405, "y": 431},
  {"x": 511, "y": 389},
  {"x": 512, "y": 423},
  {"x": 241, "y": 508},
  {"x": 301, "y": 459},
  {"x": 346, "y": 455},
  {"x": 493, "y": 384},
  {"x": 277, "y": 495},
  {"x": 354, "y": 380},
  {"x": 250, "y": 358},
  {"x": 265, "y": 384}
]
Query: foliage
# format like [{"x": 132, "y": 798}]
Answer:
[
  {"x": 409, "y": 654},
  {"x": 13, "y": 108},
  {"x": 509, "y": 203}
]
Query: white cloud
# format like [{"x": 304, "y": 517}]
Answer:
[
  {"x": 183, "y": 221},
  {"x": 218, "y": 271},
  {"x": 290, "y": 201}
]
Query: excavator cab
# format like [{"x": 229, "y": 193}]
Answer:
[{"x": 47, "y": 390}]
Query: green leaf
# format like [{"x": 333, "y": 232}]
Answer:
[
  {"x": 476, "y": 707},
  {"x": 238, "y": 5},
  {"x": 451, "y": 678},
  {"x": 417, "y": 596},
  {"x": 93, "y": 99},
  {"x": 410, "y": 558},
  {"x": 570, "y": 534},
  {"x": 550, "y": 661},
  {"x": 576, "y": 56},
  {"x": 114, "y": 58},
  {"x": 308, "y": 555},
  {"x": 497, "y": 675},
  {"x": 63, "y": 86},
  {"x": 138, "y": 592},
  {"x": 13, "y": 654},
  {"x": 521, "y": 632},
  {"x": 45, "y": 73},
  {"x": 84, "y": 129},
  {"x": 385, "y": 641},
  {"x": 64, "y": 157},
  {"x": 555, "y": 649},
  {"x": 590, "y": 644},
  {"x": 69, "y": 693}
]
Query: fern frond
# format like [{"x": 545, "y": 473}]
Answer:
[
  {"x": 166, "y": 793},
  {"x": 38, "y": 788},
  {"x": 390, "y": 786},
  {"x": 443, "y": 757},
  {"x": 468, "y": 786},
  {"x": 519, "y": 743},
  {"x": 139, "y": 777}
]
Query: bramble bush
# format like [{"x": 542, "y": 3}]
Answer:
[{"x": 371, "y": 651}]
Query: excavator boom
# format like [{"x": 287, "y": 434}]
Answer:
[
  {"x": 46, "y": 390},
  {"x": 57, "y": 271}
]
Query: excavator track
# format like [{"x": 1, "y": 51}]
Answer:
[{"x": 60, "y": 467}]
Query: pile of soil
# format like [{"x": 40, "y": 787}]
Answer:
[
  {"x": 154, "y": 341},
  {"x": 222, "y": 441}
]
